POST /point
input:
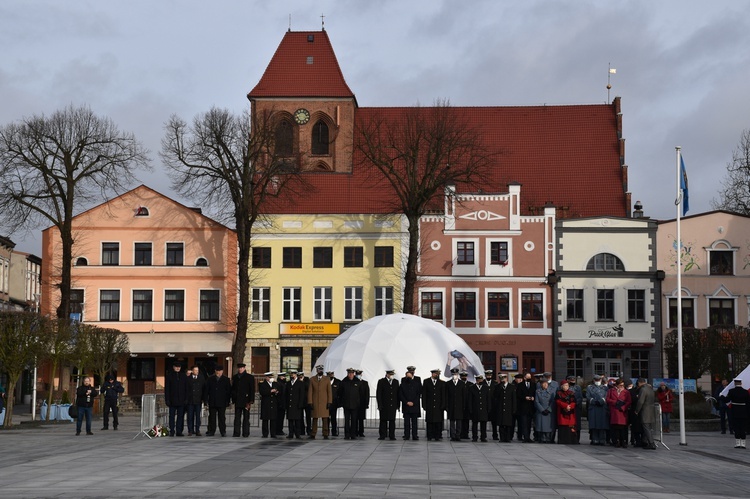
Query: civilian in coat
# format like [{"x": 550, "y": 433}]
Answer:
[
  {"x": 350, "y": 395},
  {"x": 386, "y": 395},
  {"x": 176, "y": 397},
  {"x": 281, "y": 413},
  {"x": 525, "y": 391},
  {"x": 480, "y": 405},
  {"x": 721, "y": 406},
  {"x": 410, "y": 392},
  {"x": 665, "y": 397},
  {"x": 243, "y": 396},
  {"x": 565, "y": 400},
  {"x": 269, "y": 405},
  {"x": 319, "y": 397},
  {"x": 634, "y": 422},
  {"x": 433, "y": 402},
  {"x": 455, "y": 404},
  {"x": 739, "y": 401},
  {"x": 364, "y": 404},
  {"x": 504, "y": 408},
  {"x": 596, "y": 396},
  {"x": 197, "y": 396},
  {"x": 644, "y": 409},
  {"x": 578, "y": 392},
  {"x": 294, "y": 402},
  {"x": 219, "y": 395},
  {"x": 543, "y": 402},
  {"x": 85, "y": 395},
  {"x": 618, "y": 401},
  {"x": 554, "y": 386},
  {"x": 334, "y": 409}
]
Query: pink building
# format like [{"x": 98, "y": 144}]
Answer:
[{"x": 157, "y": 270}]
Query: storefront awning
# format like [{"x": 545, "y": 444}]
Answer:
[{"x": 180, "y": 342}]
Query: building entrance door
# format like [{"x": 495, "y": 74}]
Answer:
[
  {"x": 608, "y": 363},
  {"x": 533, "y": 362}
]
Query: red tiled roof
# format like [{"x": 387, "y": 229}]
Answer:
[{"x": 291, "y": 72}]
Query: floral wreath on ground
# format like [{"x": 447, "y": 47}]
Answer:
[{"x": 158, "y": 431}]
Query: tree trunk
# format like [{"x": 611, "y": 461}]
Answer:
[
  {"x": 243, "y": 266},
  {"x": 66, "y": 239},
  {"x": 410, "y": 276},
  {"x": 9, "y": 401},
  {"x": 52, "y": 385}
]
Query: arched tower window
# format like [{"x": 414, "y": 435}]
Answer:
[
  {"x": 320, "y": 138},
  {"x": 606, "y": 262},
  {"x": 284, "y": 139}
]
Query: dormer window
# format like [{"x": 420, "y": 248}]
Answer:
[
  {"x": 310, "y": 38},
  {"x": 81, "y": 261},
  {"x": 309, "y": 59},
  {"x": 320, "y": 139},
  {"x": 141, "y": 211},
  {"x": 201, "y": 262}
]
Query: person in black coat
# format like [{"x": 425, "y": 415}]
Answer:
[
  {"x": 197, "y": 396},
  {"x": 455, "y": 403},
  {"x": 364, "y": 404},
  {"x": 466, "y": 422},
  {"x": 219, "y": 396},
  {"x": 350, "y": 396},
  {"x": 739, "y": 399},
  {"x": 282, "y": 382},
  {"x": 176, "y": 397},
  {"x": 243, "y": 396},
  {"x": 489, "y": 380},
  {"x": 294, "y": 402},
  {"x": 111, "y": 389},
  {"x": 410, "y": 393},
  {"x": 269, "y": 405},
  {"x": 85, "y": 395},
  {"x": 387, "y": 397},
  {"x": 525, "y": 392},
  {"x": 504, "y": 408},
  {"x": 433, "y": 401},
  {"x": 334, "y": 409},
  {"x": 306, "y": 422},
  {"x": 480, "y": 404}
]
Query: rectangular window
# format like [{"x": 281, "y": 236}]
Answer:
[
  {"x": 465, "y": 305},
  {"x": 574, "y": 304},
  {"x": 605, "y": 304},
  {"x": 353, "y": 256},
  {"x": 175, "y": 254},
  {"x": 143, "y": 300},
  {"x": 498, "y": 306},
  {"x": 323, "y": 258},
  {"x": 110, "y": 253},
  {"x": 465, "y": 253},
  {"x": 353, "y": 304},
  {"x": 574, "y": 364},
  {"x": 76, "y": 304},
  {"x": 292, "y": 301},
  {"x": 261, "y": 258},
  {"x": 721, "y": 262},
  {"x": 142, "y": 254},
  {"x": 109, "y": 305},
  {"x": 174, "y": 305},
  {"x": 384, "y": 256},
  {"x": 261, "y": 304},
  {"x": 498, "y": 253},
  {"x": 209, "y": 304},
  {"x": 639, "y": 364},
  {"x": 688, "y": 317},
  {"x": 636, "y": 305},
  {"x": 383, "y": 300},
  {"x": 292, "y": 258},
  {"x": 531, "y": 307},
  {"x": 720, "y": 312},
  {"x": 322, "y": 303},
  {"x": 432, "y": 305}
]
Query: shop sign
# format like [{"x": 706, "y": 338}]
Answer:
[{"x": 312, "y": 328}]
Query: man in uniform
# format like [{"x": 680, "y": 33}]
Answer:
[
  {"x": 334, "y": 409},
  {"x": 307, "y": 420},
  {"x": 433, "y": 401},
  {"x": 504, "y": 407},
  {"x": 295, "y": 403},
  {"x": 386, "y": 394},
  {"x": 455, "y": 403},
  {"x": 739, "y": 400},
  {"x": 197, "y": 396},
  {"x": 552, "y": 386},
  {"x": 480, "y": 405},
  {"x": 269, "y": 405},
  {"x": 243, "y": 395},
  {"x": 350, "y": 394},
  {"x": 596, "y": 397},
  {"x": 364, "y": 404},
  {"x": 319, "y": 397},
  {"x": 489, "y": 380},
  {"x": 410, "y": 391},
  {"x": 111, "y": 389},
  {"x": 219, "y": 396},
  {"x": 466, "y": 422},
  {"x": 282, "y": 382}
]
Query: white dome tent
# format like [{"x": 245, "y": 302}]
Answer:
[{"x": 396, "y": 341}]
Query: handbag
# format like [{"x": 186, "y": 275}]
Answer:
[{"x": 73, "y": 411}]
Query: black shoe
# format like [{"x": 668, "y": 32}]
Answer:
[
  {"x": 105, "y": 428},
  {"x": 325, "y": 437},
  {"x": 405, "y": 438},
  {"x": 115, "y": 428},
  {"x": 89, "y": 433},
  {"x": 311, "y": 437},
  {"x": 78, "y": 433},
  {"x": 392, "y": 438},
  {"x": 289, "y": 437},
  {"x": 207, "y": 434},
  {"x": 473, "y": 439},
  {"x": 724, "y": 432},
  {"x": 197, "y": 434},
  {"x": 182, "y": 435},
  {"x": 484, "y": 440},
  {"x": 381, "y": 438},
  {"x": 223, "y": 434},
  {"x": 415, "y": 438}
]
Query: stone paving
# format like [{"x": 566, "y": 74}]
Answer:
[{"x": 50, "y": 461}]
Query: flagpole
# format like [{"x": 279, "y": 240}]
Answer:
[{"x": 680, "y": 372}]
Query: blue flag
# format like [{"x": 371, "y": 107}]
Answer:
[{"x": 684, "y": 187}]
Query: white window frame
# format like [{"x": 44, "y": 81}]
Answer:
[
  {"x": 184, "y": 303},
  {"x": 99, "y": 305},
  {"x": 323, "y": 298},
  {"x": 350, "y": 303},
  {"x": 487, "y": 292},
  {"x": 295, "y": 297},
  {"x": 383, "y": 300},
  {"x": 442, "y": 302},
  {"x": 494, "y": 269},
  {"x": 132, "y": 304},
  {"x": 264, "y": 296},
  {"x": 476, "y": 305},
  {"x": 466, "y": 269}
]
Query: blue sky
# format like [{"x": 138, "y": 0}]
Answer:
[{"x": 682, "y": 71}]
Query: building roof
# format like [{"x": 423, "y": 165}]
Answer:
[{"x": 304, "y": 65}]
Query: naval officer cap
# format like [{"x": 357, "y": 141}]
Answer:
[
  {"x": 268, "y": 374},
  {"x": 435, "y": 370},
  {"x": 390, "y": 371},
  {"x": 411, "y": 369},
  {"x": 455, "y": 370},
  {"x": 478, "y": 376}
]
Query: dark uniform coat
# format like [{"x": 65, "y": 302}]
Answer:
[
  {"x": 480, "y": 403},
  {"x": 433, "y": 400},
  {"x": 350, "y": 393},
  {"x": 335, "y": 384},
  {"x": 243, "y": 389},
  {"x": 294, "y": 399},
  {"x": 218, "y": 391},
  {"x": 364, "y": 398},
  {"x": 176, "y": 389},
  {"x": 410, "y": 391},
  {"x": 269, "y": 400},
  {"x": 504, "y": 404},
  {"x": 387, "y": 397},
  {"x": 597, "y": 405},
  {"x": 455, "y": 398}
]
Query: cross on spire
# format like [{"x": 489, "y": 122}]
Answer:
[{"x": 322, "y": 22}]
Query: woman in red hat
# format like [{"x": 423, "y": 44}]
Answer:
[{"x": 566, "y": 414}]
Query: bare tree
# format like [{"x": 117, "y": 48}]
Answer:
[
  {"x": 51, "y": 166},
  {"x": 228, "y": 162},
  {"x": 698, "y": 348},
  {"x": 23, "y": 341},
  {"x": 419, "y": 153},
  {"x": 101, "y": 350},
  {"x": 60, "y": 349},
  {"x": 735, "y": 191}
]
